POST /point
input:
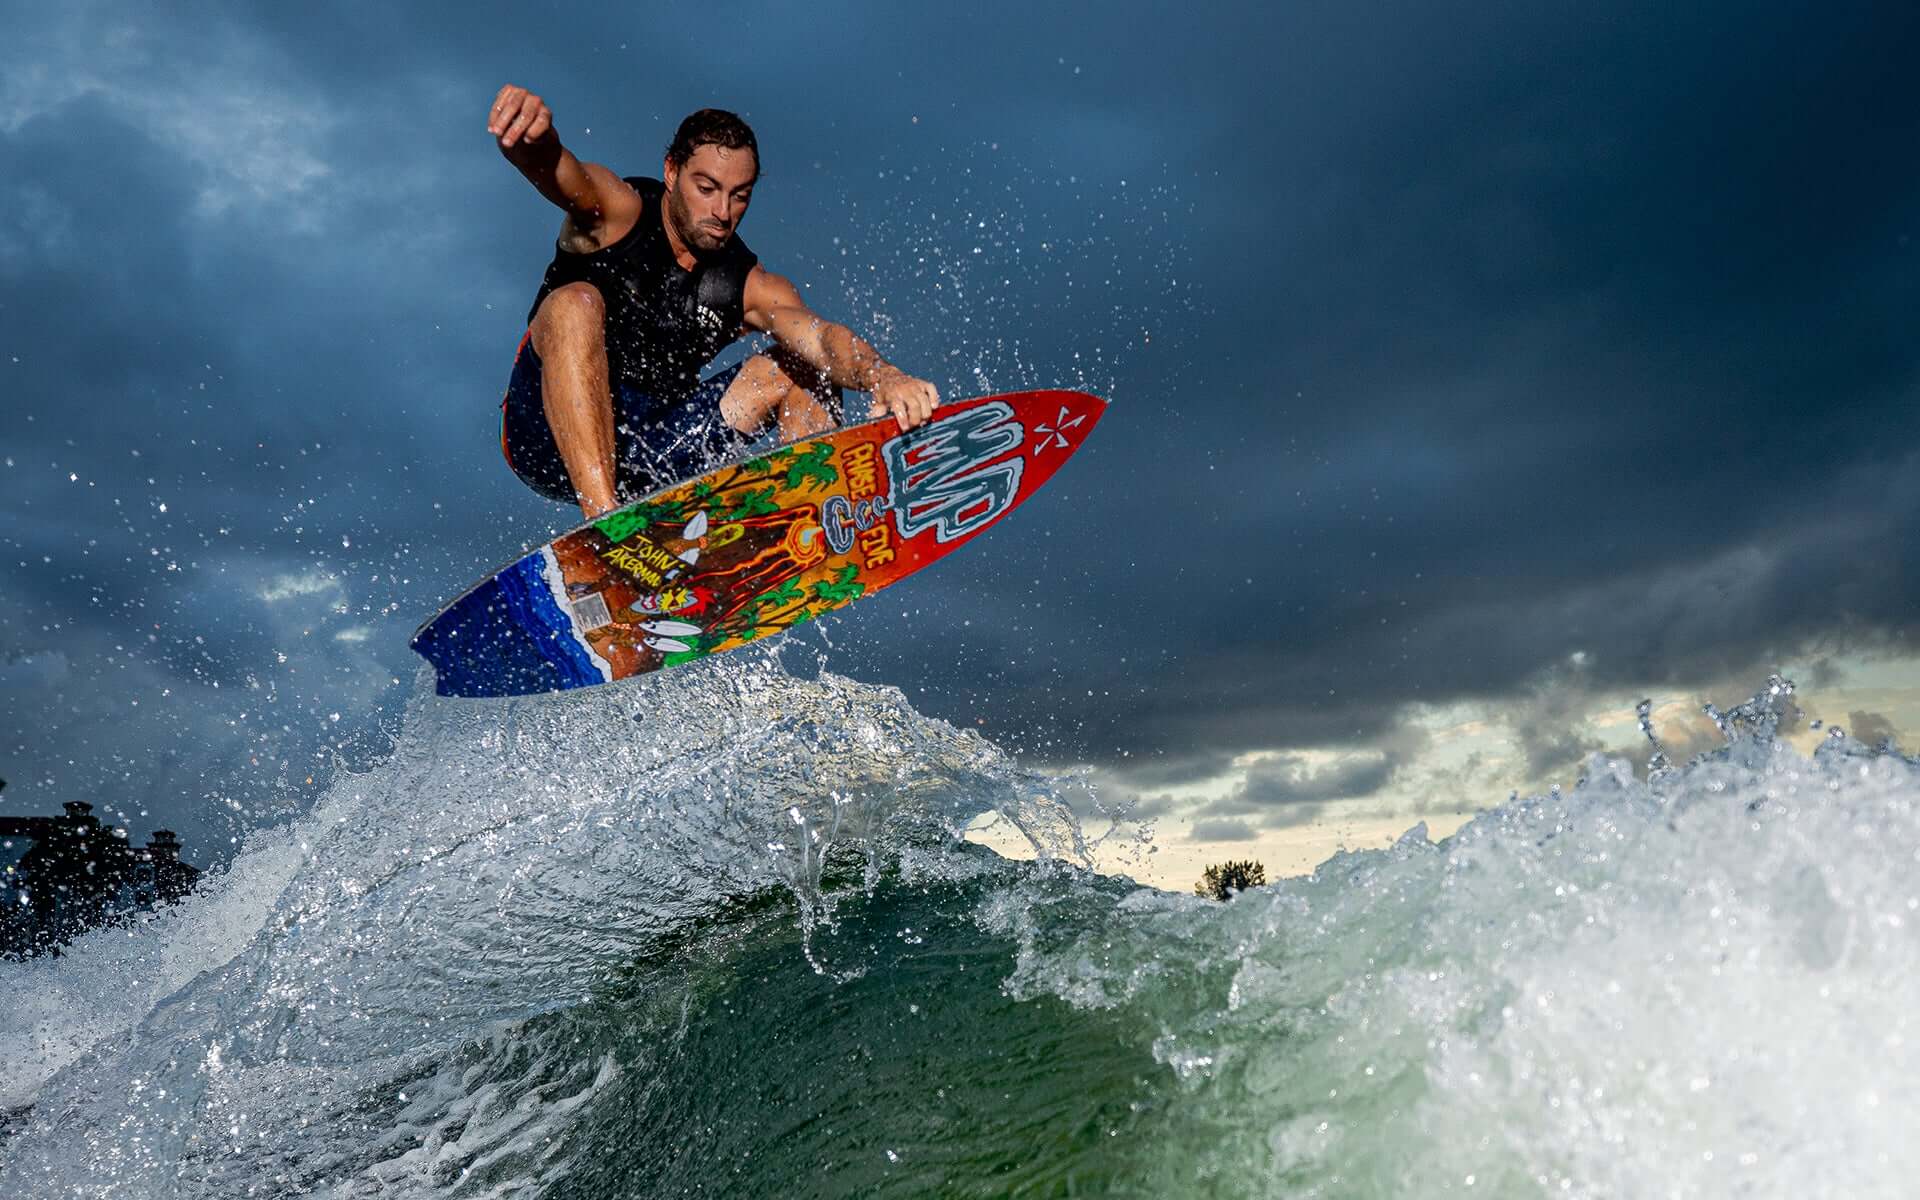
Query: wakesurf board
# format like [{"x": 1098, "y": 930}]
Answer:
[{"x": 751, "y": 549}]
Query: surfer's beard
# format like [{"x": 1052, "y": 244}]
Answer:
[{"x": 695, "y": 237}]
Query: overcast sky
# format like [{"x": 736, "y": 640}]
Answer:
[{"x": 1476, "y": 368}]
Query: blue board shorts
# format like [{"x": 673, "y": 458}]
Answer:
[{"x": 656, "y": 442}]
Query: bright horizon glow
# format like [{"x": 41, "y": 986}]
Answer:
[{"x": 1471, "y": 762}]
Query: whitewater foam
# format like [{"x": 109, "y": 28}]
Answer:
[
  {"x": 506, "y": 862},
  {"x": 721, "y": 936},
  {"x": 1698, "y": 985}
]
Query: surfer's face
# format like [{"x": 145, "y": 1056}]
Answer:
[{"x": 708, "y": 195}]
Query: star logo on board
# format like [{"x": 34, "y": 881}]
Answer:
[{"x": 1055, "y": 435}]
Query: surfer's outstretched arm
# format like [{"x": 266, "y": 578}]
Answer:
[
  {"x": 592, "y": 196},
  {"x": 774, "y": 306}
]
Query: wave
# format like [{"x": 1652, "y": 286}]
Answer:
[{"x": 720, "y": 935}]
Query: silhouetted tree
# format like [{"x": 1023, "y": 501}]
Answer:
[{"x": 1222, "y": 881}]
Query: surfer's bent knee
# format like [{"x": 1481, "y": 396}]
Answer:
[
  {"x": 779, "y": 387},
  {"x": 572, "y": 309}
]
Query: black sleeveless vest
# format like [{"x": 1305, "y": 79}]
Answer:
[{"x": 663, "y": 324}]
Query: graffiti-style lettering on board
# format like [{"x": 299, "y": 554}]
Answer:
[
  {"x": 863, "y": 477},
  {"x": 876, "y": 546},
  {"x": 644, "y": 560},
  {"x": 842, "y": 518},
  {"x": 942, "y": 476}
]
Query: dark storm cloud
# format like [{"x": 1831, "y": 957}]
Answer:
[
  {"x": 1598, "y": 303},
  {"x": 1444, "y": 342},
  {"x": 1222, "y": 829},
  {"x": 1872, "y": 728},
  {"x": 226, "y": 404},
  {"x": 1179, "y": 768},
  {"x": 1291, "y": 790},
  {"x": 1286, "y": 782},
  {"x": 1133, "y": 807}
]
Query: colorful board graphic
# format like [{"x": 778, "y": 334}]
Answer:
[{"x": 751, "y": 549}]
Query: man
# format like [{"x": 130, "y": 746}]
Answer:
[{"x": 649, "y": 283}]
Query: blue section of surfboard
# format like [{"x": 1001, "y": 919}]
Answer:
[
  {"x": 511, "y": 635},
  {"x": 751, "y": 548}
]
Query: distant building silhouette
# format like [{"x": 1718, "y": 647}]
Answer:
[{"x": 61, "y": 876}]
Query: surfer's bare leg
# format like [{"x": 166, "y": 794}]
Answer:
[
  {"x": 777, "y": 385},
  {"x": 569, "y": 335}
]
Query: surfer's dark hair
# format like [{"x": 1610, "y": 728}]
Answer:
[{"x": 712, "y": 127}]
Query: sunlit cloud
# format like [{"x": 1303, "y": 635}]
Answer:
[{"x": 310, "y": 583}]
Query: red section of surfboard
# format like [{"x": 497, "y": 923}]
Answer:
[{"x": 756, "y": 547}]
